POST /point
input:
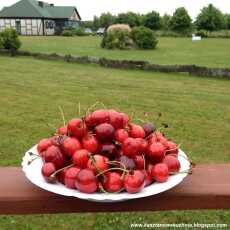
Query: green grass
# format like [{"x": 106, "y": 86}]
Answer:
[
  {"x": 208, "y": 52},
  {"x": 197, "y": 109}
]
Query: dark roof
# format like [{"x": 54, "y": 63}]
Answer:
[{"x": 32, "y": 9}]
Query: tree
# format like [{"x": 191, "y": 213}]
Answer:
[
  {"x": 96, "y": 22},
  {"x": 129, "y": 18},
  {"x": 210, "y": 19},
  {"x": 106, "y": 19},
  {"x": 87, "y": 24},
  {"x": 152, "y": 21},
  {"x": 181, "y": 22},
  {"x": 227, "y": 21},
  {"x": 165, "y": 22}
]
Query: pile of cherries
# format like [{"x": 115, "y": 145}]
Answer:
[{"x": 105, "y": 152}]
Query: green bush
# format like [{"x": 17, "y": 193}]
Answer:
[
  {"x": 202, "y": 33},
  {"x": 117, "y": 39},
  {"x": 144, "y": 38},
  {"x": 80, "y": 31},
  {"x": 67, "y": 33},
  {"x": 9, "y": 40}
]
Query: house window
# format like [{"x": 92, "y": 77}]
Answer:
[{"x": 49, "y": 24}]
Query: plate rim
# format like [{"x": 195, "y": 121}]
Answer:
[{"x": 103, "y": 197}]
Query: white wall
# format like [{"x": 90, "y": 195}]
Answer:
[{"x": 28, "y": 26}]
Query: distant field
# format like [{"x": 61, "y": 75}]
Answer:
[
  {"x": 197, "y": 110},
  {"x": 208, "y": 52}
]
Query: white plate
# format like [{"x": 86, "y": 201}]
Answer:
[{"x": 33, "y": 173}]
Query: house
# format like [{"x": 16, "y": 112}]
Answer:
[{"x": 31, "y": 17}]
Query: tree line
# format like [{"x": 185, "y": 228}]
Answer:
[{"x": 210, "y": 18}]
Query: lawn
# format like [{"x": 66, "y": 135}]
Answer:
[
  {"x": 208, "y": 52},
  {"x": 197, "y": 110}
]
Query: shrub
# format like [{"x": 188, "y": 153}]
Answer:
[
  {"x": 9, "y": 40},
  {"x": 144, "y": 38},
  {"x": 202, "y": 33},
  {"x": 80, "y": 31},
  {"x": 67, "y": 33},
  {"x": 117, "y": 36}
]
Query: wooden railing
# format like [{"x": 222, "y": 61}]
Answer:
[{"x": 207, "y": 188}]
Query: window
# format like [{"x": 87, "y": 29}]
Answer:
[{"x": 49, "y": 24}]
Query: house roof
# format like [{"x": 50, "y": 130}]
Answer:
[{"x": 32, "y": 9}]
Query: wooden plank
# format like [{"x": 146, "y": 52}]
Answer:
[{"x": 207, "y": 188}]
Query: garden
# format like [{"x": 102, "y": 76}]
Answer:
[{"x": 195, "y": 109}]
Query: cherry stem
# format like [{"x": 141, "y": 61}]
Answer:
[
  {"x": 117, "y": 162},
  {"x": 138, "y": 119},
  {"x": 62, "y": 114},
  {"x": 91, "y": 157},
  {"x": 32, "y": 160},
  {"x": 108, "y": 170},
  {"x": 186, "y": 158},
  {"x": 52, "y": 126},
  {"x": 101, "y": 188},
  {"x": 189, "y": 171},
  {"x": 33, "y": 154},
  {"x": 144, "y": 161},
  {"x": 104, "y": 191},
  {"x": 178, "y": 146},
  {"x": 59, "y": 170},
  {"x": 94, "y": 105},
  {"x": 79, "y": 109}
]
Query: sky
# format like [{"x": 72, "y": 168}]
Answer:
[{"x": 89, "y": 8}]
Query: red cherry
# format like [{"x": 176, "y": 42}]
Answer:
[
  {"x": 43, "y": 145},
  {"x": 100, "y": 116},
  {"x": 136, "y": 131},
  {"x": 107, "y": 149},
  {"x": 86, "y": 181},
  {"x": 156, "y": 152},
  {"x": 90, "y": 143},
  {"x": 148, "y": 178},
  {"x": 150, "y": 170},
  {"x": 112, "y": 182},
  {"x": 139, "y": 161},
  {"x": 134, "y": 182},
  {"x": 162, "y": 140},
  {"x": 47, "y": 170},
  {"x": 148, "y": 128},
  {"x": 125, "y": 119},
  {"x": 129, "y": 163},
  {"x": 171, "y": 148},
  {"x": 81, "y": 158},
  {"x": 89, "y": 121},
  {"x": 70, "y": 145},
  {"x": 120, "y": 135},
  {"x": 53, "y": 154},
  {"x": 101, "y": 163},
  {"x": 115, "y": 119},
  {"x": 104, "y": 132},
  {"x": 130, "y": 147},
  {"x": 77, "y": 128},
  {"x": 160, "y": 172},
  {"x": 62, "y": 130},
  {"x": 61, "y": 176},
  {"x": 70, "y": 177},
  {"x": 143, "y": 145},
  {"x": 172, "y": 162}
]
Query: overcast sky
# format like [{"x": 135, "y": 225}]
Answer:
[{"x": 89, "y": 8}]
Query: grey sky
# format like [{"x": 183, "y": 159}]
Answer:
[{"x": 89, "y": 8}]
